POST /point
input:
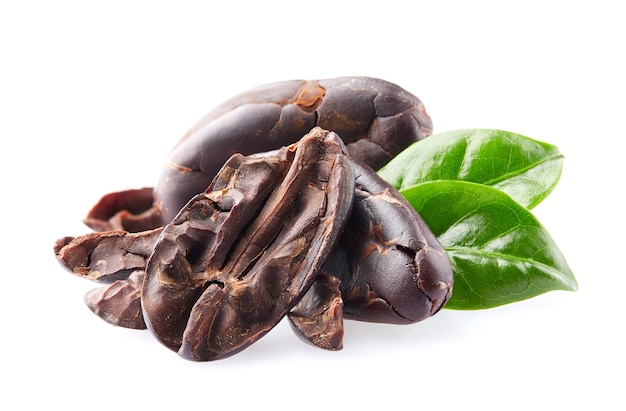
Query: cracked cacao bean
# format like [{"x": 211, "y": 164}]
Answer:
[
  {"x": 376, "y": 120},
  {"x": 120, "y": 302},
  {"x": 318, "y": 318},
  {"x": 238, "y": 257},
  {"x": 391, "y": 267},
  {"x": 117, "y": 258},
  {"x": 106, "y": 256}
]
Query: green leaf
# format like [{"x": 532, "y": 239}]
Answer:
[
  {"x": 526, "y": 169},
  {"x": 500, "y": 253}
]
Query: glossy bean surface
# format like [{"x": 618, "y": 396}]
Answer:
[
  {"x": 237, "y": 258},
  {"x": 376, "y": 120},
  {"x": 391, "y": 267}
]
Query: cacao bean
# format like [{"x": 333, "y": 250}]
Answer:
[
  {"x": 237, "y": 258},
  {"x": 376, "y": 120},
  {"x": 391, "y": 267}
]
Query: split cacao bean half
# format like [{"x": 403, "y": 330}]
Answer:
[{"x": 237, "y": 258}]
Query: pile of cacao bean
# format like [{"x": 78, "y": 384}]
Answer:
[{"x": 268, "y": 207}]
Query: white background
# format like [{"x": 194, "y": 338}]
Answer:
[{"x": 92, "y": 97}]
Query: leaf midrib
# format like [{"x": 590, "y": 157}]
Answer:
[
  {"x": 553, "y": 272},
  {"x": 521, "y": 171}
]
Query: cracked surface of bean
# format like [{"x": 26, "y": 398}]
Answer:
[
  {"x": 237, "y": 258},
  {"x": 391, "y": 267},
  {"x": 376, "y": 119}
]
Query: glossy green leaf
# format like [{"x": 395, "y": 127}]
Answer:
[
  {"x": 526, "y": 169},
  {"x": 500, "y": 253}
]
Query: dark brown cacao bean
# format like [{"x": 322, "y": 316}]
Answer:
[
  {"x": 391, "y": 267},
  {"x": 375, "y": 119},
  {"x": 120, "y": 302},
  {"x": 106, "y": 256},
  {"x": 115, "y": 257},
  {"x": 129, "y": 210},
  {"x": 237, "y": 258},
  {"x": 318, "y": 318}
]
